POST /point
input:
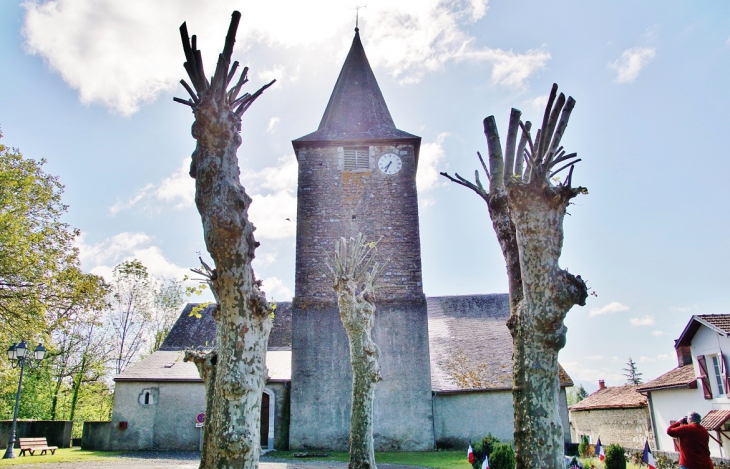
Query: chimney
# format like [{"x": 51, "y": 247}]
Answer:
[
  {"x": 684, "y": 355},
  {"x": 601, "y": 384}
]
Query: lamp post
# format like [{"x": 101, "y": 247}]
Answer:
[{"x": 18, "y": 356}]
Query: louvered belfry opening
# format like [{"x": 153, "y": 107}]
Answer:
[{"x": 357, "y": 158}]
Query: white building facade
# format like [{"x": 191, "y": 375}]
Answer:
[{"x": 698, "y": 384}]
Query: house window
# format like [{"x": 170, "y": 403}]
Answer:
[
  {"x": 718, "y": 374},
  {"x": 356, "y": 158}
]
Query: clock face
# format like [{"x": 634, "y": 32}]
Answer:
[{"x": 390, "y": 163}]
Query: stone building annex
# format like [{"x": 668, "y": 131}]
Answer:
[{"x": 446, "y": 362}]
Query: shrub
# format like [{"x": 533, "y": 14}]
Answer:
[
  {"x": 502, "y": 457},
  {"x": 584, "y": 448},
  {"x": 615, "y": 457},
  {"x": 480, "y": 448}
]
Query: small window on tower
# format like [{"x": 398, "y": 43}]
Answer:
[{"x": 356, "y": 158}]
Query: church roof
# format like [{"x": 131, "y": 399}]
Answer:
[
  {"x": 356, "y": 109},
  {"x": 168, "y": 366},
  {"x": 470, "y": 344},
  {"x": 193, "y": 332}
]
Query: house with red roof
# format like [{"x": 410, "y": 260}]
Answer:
[
  {"x": 699, "y": 384},
  {"x": 616, "y": 414}
]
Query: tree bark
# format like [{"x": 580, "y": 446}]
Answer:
[
  {"x": 235, "y": 382},
  {"x": 527, "y": 213},
  {"x": 351, "y": 269}
]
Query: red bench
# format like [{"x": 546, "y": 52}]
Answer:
[{"x": 31, "y": 445}]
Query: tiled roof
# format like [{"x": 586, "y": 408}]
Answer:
[
  {"x": 471, "y": 346},
  {"x": 611, "y": 398},
  {"x": 682, "y": 376},
  {"x": 356, "y": 109},
  {"x": 715, "y": 419},
  {"x": 721, "y": 321},
  {"x": 192, "y": 332},
  {"x": 169, "y": 366}
]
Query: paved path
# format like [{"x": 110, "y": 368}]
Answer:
[{"x": 183, "y": 460}]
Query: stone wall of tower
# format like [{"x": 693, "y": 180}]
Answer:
[{"x": 334, "y": 203}]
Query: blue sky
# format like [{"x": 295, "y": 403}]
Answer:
[{"x": 88, "y": 85}]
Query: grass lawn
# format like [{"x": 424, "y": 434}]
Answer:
[
  {"x": 438, "y": 459},
  {"x": 62, "y": 455},
  {"x": 599, "y": 465}
]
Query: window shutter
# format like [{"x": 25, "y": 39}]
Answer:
[
  {"x": 724, "y": 374},
  {"x": 703, "y": 377},
  {"x": 674, "y": 440},
  {"x": 357, "y": 158}
]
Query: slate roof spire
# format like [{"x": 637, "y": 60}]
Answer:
[{"x": 356, "y": 109}]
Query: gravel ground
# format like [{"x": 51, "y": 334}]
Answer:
[{"x": 186, "y": 460}]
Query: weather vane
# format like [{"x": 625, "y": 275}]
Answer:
[{"x": 357, "y": 16}]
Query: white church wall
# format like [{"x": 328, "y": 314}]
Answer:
[
  {"x": 463, "y": 417},
  {"x": 164, "y": 420},
  {"x": 470, "y": 416}
]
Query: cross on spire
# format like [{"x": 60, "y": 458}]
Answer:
[{"x": 357, "y": 16}]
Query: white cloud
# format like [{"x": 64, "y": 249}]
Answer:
[
  {"x": 686, "y": 309},
  {"x": 539, "y": 102},
  {"x": 177, "y": 190},
  {"x": 661, "y": 357},
  {"x": 101, "y": 258},
  {"x": 123, "y": 54},
  {"x": 657, "y": 333},
  {"x": 273, "y": 190},
  {"x": 645, "y": 321},
  {"x": 276, "y": 290},
  {"x": 144, "y": 192},
  {"x": 579, "y": 372},
  {"x": 614, "y": 307},
  {"x": 594, "y": 357},
  {"x": 272, "y": 123},
  {"x": 429, "y": 158},
  {"x": 629, "y": 65}
]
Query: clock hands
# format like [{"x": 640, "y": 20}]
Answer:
[{"x": 385, "y": 170}]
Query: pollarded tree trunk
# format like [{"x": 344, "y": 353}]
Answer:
[
  {"x": 243, "y": 317},
  {"x": 535, "y": 208},
  {"x": 205, "y": 362},
  {"x": 354, "y": 268}
]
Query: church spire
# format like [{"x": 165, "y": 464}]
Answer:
[{"x": 356, "y": 109}]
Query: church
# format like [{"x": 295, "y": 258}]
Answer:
[{"x": 446, "y": 362}]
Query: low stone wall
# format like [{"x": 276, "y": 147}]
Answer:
[
  {"x": 629, "y": 427},
  {"x": 720, "y": 463},
  {"x": 95, "y": 436},
  {"x": 57, "y": 432}
]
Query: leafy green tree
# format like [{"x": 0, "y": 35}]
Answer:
[
  {"x": 631, "y": 373},
  {"x": 40, "y": 278},
  {"x": 44, "y": 294},
  {"x": 131, "y": 311},
  {"x": 576, "y": 395},
  {"x": 169, "y": 297}
]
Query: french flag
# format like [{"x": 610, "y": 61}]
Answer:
[
  {"x": 600, "y": 452},
  {"x": 485, "y": 463},
  {"x": 470, "y": 455},
  {"x": 648, "y": 458}
]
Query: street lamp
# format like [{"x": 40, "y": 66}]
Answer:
[{"x": 18, "y": 356}]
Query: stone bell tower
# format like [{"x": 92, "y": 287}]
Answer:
[{"x": 357, "y": 173}]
